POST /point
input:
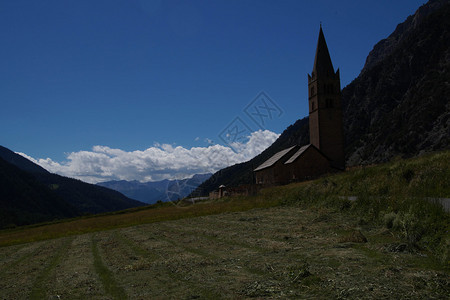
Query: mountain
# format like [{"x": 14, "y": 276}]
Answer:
[
  {"x": 387, "y": 46},
  {"x": 153, "y": 191},
  {"x": 20, "y": 161},
  {"x": 26, "y": 185},
  {"x": 87, "y": 198},
  {"x": 398, "y": 106},
  {"x": 134, "y": 190},
  {"x": 24, "y": 200}
]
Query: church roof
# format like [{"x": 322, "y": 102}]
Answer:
[
  {"x": 297, "y": 154},
  {"x": 276, "y": 157},
  {"x": 322, "y": 61},
  {"x": 300, "y": 152}
]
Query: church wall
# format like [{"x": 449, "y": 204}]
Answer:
[
  {"x": 276, "y": 174},
  {"x": 309, "y": 165}
]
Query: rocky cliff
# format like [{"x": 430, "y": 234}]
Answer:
[{"x": 399, "y": 105}]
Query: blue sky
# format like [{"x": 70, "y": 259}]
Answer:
[{"x": 134, "y": 75}]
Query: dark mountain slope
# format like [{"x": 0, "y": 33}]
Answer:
[
  {"x": 20, "y": 161},
  {"x": 386, "y": 46},
  {"x": 398, "y": 105},
  {"x": 86, "y": 198},
  {"x": 24, "y": 200}
]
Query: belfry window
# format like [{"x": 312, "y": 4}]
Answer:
[
  {"x": 329, "y": 88},
  {"x": 329, "y": 103}
]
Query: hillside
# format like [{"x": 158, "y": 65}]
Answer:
[
  {"x": 87, "y": 198},
  {"x": 31, "y": 194},
  {"x": 398, "y": 106},
  {"x": 24, "y": 200},
  {"x": 387, "y": 46},
  {"x": 20, "y": 161}
]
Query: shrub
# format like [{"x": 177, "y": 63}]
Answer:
[
  {"x": 388, "y": 219},
  {"x": 409, "y": 225}
]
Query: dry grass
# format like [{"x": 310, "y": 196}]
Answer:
[
  {"x": 150, "y": 214},
  {"x": 266, "y": 253}
]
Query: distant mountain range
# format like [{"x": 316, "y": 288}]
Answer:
[
  {"x": 30, "y": 194},
  {"x": 399, "y": 106},
  {"x": 151, "y": 192}
]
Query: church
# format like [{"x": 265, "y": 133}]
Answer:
[{"x": 325, "y": 153}]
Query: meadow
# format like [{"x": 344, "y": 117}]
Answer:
[{"x": 370, "y": 232}]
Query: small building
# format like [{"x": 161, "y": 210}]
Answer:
[{"x": 222, "y": 191}]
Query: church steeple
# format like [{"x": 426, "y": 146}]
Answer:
[
  {"x": 325, "y": 107},
  {"x": 322, "y": 61}
]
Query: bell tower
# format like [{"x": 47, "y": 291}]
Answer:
[{"x": 325, "y": 106}]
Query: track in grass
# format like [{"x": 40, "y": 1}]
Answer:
[
  {"x": 38, "y": 290},
  {"x": 110, "y": 284}
]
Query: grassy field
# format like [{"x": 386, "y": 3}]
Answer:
[
  {"x": 280, "y": 252},
  {"x": 305, "y": 240},
  {"x": 132, "y": 217}
]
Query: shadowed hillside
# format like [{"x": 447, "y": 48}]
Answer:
[
  {"x": 30, "y": 194},
  {"x": 400, "y": 105},
  {"x": 87, "y": 198},
  {"x": 24, "y": 200},
  {"x": 20, "y": 161}
]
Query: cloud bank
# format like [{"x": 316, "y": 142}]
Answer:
[{"x": 162, "y": 161}]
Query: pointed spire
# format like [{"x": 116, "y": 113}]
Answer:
[{"x": 322, "y": 61}]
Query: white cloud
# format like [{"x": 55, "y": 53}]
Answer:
[{"x": 157, "y": 162}]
